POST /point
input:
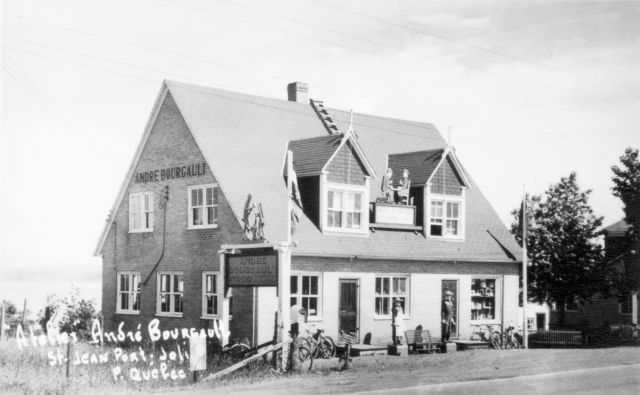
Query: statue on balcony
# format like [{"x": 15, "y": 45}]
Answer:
[
  {"x": 387, "y": 186},
  {"x": 403, "y": 188}
]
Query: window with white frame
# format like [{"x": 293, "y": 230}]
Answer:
[
  {"x": 170, "y": 293},
  {"x": 344, "y": 209},
  {"x": 483, "y": 299},
  {"x": 305, "y": 292},
  {"x": 445, "y": 218},
  {"x": 128, "y": 285},
  {"x": 141, "y": 212},
  {"x": 388, "y": 290},
  {"x": 203, "y": 206},
  {"x": 209, "y": 294}
]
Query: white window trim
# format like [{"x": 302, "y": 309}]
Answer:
[
  {"x": 158, "y": 302},
  {"x": 189, "y": 207},
  {"x": 204, "y": 296},
  {"x": 407, "y": 304},
  {"x": 460, "y": 199},
  {"x": 129, "y": 311},
  {"x": 152, "y": 206},
  {"x": 325, "y": 186},
  {"x": 497, "y": 301},
  {"x": 320, "y": 315}
]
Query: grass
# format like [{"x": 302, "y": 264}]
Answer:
[{"x": 27, "y": 371}]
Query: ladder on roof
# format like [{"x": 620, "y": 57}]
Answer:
[{"x": 323, "y": 114}]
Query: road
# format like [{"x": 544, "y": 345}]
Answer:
[
  {"x": 610, "y": 380},
  {"x": 544, "y": 371}
]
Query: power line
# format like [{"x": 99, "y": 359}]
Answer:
[
  {"x": 28, "y": 82},
  {"x": 191, "y": 87},
  {"x": 473, "y": 46},
  {"x": 437, "y": 36},
  {"x": 82, "y": 65},
  {"x": 480, "y": 70}
]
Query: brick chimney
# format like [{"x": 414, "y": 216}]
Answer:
[{"x": 297, "y": 91}]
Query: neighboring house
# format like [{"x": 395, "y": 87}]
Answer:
[
  {"x": 615, "y": 310},
  {"x": 207, "y": 149},
  {"x": 538, "y": 315}
]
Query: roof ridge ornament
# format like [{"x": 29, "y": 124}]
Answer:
[{"x": 323, "y": 114}]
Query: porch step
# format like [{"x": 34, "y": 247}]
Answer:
[{"x": 464, "y": 345}]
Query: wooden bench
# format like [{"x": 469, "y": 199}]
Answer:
[{"x": 420, "y": 341}]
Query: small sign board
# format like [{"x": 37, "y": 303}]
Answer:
[
  {"x": 198, "y": 353},
  {"x": 395, "y": 214},
  {"x": 252, "y": 270}
]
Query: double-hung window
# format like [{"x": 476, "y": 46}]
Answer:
[
  {"x": 305, "y": 292},
  {"x": 128, "y": 284},
  {"x": 203, "y": 206},
  {"x": 170, "y": 293},
  {"x": 141, "y": 212},
  {"x": 445, "y": 218},
  {"x": 388, "y": 290},
  {"x": 209, "y": 294},
  {"x": 345, "y": 209}
]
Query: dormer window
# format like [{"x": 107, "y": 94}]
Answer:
[
  {"x": 344, "y": 207},
  {"x": 445, "y": 218}
]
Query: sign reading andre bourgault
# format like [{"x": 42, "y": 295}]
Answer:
[{"x": 170, "y": 173}]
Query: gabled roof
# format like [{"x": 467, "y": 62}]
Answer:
[
  {"x": 244, "y": 139},
  {"x": 617, "y": 229},
  {"x": 421, "y": 164},
  {"x": 311, "y": 156}
]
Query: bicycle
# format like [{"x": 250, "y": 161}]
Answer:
[
  {"x": 345, "y": 358},
  {"x": 319, "y": 345},
  {"x": 509, "y": 339},
  {"x": 488, "y": 335}
]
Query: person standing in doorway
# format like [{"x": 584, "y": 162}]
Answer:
[{"x": 447, "y": 315}]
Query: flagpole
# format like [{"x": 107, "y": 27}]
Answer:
[
  {"x": 289, "y": 191},
  {"x": 525, "y": 299}
]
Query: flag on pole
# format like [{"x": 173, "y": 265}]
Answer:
[{"x": 295, "y": 199}]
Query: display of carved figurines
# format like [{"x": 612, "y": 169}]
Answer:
[
  {"x": 483, "y": 292},
  {"x": 253, "y": 220},
  {"x": 388, "y": 191}
]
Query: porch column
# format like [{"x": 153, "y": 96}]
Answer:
[
  {"x": 223, "y": 301},
  {"x": 284, "y": 292}
]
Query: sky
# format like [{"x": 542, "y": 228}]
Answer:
[{"x": 527, "y": 92}]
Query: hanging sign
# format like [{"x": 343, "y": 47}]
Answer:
[{"x": 252, "y": 270}]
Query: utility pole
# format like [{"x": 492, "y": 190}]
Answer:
[{"x": 525, "y": 299}]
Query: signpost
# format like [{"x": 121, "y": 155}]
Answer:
[{"x": 198, "y": 355}]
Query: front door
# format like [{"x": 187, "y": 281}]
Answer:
[
  {"x": 541, "y": 319},
  {"x": 348, "y": 308},
  {"x": 450, "y": 288}
]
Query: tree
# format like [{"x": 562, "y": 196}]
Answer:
[
  {"x": 76, "y": 312},
  {"x": 566, "y": 260},
  {"x": 626, "y": 186},
  {"x": 9, "y": 308}
]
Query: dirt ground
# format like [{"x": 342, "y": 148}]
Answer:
[{"x": 384, "y": 372}]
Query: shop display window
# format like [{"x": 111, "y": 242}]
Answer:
[{"x": 483, "y": 299}]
